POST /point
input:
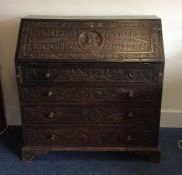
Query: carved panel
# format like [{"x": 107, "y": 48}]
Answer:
[
  {"x": 92, "y": 136},
  {"x": 91, "y": 114},
  {"x": 123, "y": 73},
  {"x": 94, "y": 40},
  {"x": 116, "y": 93}
]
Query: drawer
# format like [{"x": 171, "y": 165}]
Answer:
[
  {"x": 91, "y": 136},
  {"x": 91, "y": 93},
  {"x": 91, "y": 114},
  {"x": 92, "y": 72}
]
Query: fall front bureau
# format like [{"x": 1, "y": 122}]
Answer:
[{"x": 90, "y": 84}]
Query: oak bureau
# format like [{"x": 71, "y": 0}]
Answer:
[{"x": 90, "y": 84}]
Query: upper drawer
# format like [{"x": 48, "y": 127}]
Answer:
[{"x": 92, "y": 72}]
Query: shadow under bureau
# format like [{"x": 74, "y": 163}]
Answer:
[{"x": 90, "y": 84}]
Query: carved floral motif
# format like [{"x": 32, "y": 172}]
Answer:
[{"x": 123, "y": 74}]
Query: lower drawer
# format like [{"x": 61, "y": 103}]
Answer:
[
  {"x": 91, "y": 136},
  {"x": 92, "y": 114}
]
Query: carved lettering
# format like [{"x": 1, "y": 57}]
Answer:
[
  {"x": 53, "y": 33},
  {"x": 90, "y": 40},
  {"x": 52, "y": 46}
]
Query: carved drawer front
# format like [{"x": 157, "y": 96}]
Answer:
[
  {"x": 91, "y": 93},
  {"x": 91, "y": 114},
  {"x": 125, "y": 72},
  {"x": 92, "y": 136}
]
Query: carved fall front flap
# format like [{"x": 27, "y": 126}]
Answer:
[{"x": 90, "y": 40}]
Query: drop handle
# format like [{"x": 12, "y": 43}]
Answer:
[
  {"x": 51, "y": 115},
  {"x": 47, "y": 75},
  {"x": 49, "y": 93}
]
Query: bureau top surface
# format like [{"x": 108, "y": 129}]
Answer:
[
  {"x": 90, "y": 39},
  {"x": 92, "y": 17}
]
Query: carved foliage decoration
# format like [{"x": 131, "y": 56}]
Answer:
[{"x": 147, "y": 74}]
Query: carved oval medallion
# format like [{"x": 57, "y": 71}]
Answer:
[{"x": 90, "y": 40}]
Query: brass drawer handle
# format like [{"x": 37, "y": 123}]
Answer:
[
  {"x": 51, "y": 115},
  {"x": 130, "y": 114},
  {"x": 52, "y": 137},
  {"x": 49, "y": 93},
  {"x": 160, "y": 74},
  {"x": 129, "y": 138},
  {"x": 47, "y": 75},
  {"x": 131, "y": 94}
]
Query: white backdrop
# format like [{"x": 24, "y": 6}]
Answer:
[{"x": 169, "y": 11}]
